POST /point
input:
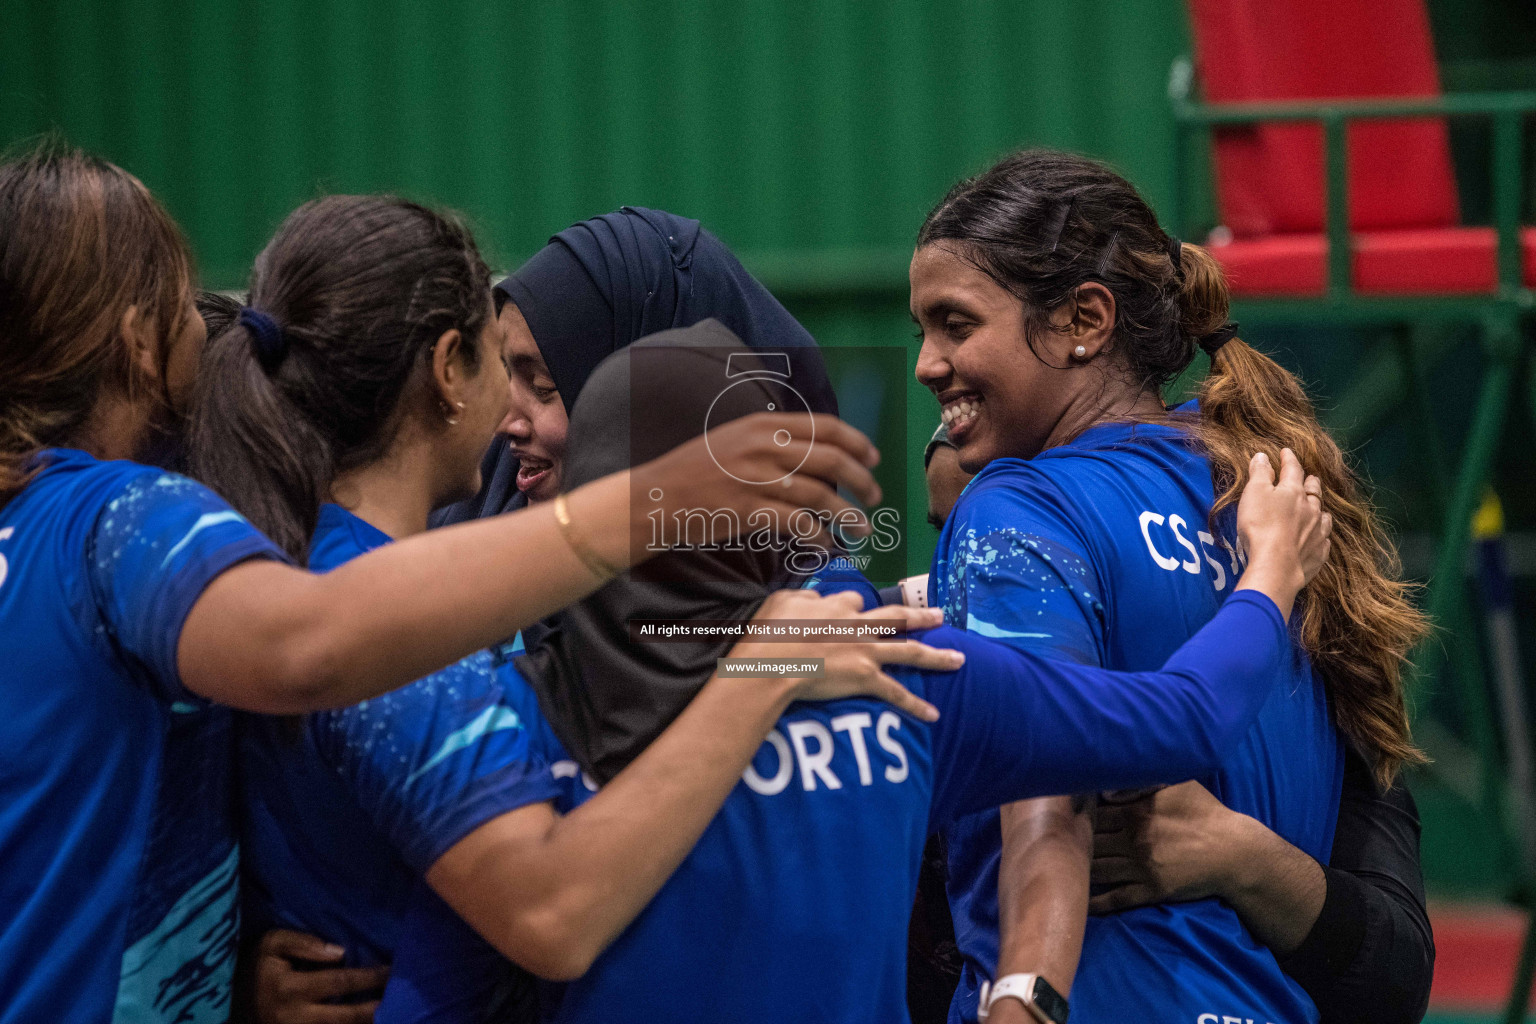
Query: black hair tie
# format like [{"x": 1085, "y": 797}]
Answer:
[
  {"x": 271, "y": 343},
  {"x": 1176, "y": 253},
  {"x": 1219, "y": 337}
]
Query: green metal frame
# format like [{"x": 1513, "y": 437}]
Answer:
[{"x": 1504, "y": 317}]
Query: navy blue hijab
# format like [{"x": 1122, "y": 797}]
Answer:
[{"x": 606, "y": 282}]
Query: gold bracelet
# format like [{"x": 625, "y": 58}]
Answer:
[{"x": 591, "y": 559}]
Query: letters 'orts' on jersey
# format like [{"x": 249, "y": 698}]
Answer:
[
  {"x": 118, "y": 864},
  {"x": 794, "y": 904},
  {"x": 1100, "y": 552}
]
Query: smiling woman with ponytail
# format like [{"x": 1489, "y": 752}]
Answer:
[{"x": 1054, "y": 310}]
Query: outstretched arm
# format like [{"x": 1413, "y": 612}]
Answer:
[
  {"x": 551, "y": 892},
  {"x": 267, "y": 637},
  {"x": 1181, "y": 843},
  {"x": 1015, "y": 726}
]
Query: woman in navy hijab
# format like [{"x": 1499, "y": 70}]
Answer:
[{"x": 595, "y": 288}]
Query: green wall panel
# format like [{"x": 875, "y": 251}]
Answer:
[
  {"x": 812, "y": 136},
  {"x": 786, "y": 125}
]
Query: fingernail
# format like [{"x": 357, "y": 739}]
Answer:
[
  {"x": 928, "y": 713},
  {"x": 958, "y": 658},
  {"x": 872, "y": 457},
  {"x": 331, "y": 949}
]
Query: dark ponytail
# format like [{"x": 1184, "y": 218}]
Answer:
[
  {"x": 1042, "y": 222},
  {"x": 346, "y": 303}
]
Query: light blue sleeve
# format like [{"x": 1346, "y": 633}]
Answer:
[
  {"x": 1016, "y": 571},
  {"x": 153, "y": 550},
  {"x": 1014, "y": 726},
  {"x": 432, "y": 761}
]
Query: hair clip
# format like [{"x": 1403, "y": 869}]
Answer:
[{"x": 1060, "y": 223}]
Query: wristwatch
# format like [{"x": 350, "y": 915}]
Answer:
[
  {"x": 1044, "y": 1003},
  {"x": 914, "y": 591}
]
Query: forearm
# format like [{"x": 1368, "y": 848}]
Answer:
[
  {"x": 1018, "y": 726},
  {"x": 557, "y": 902},
  {"x": 270, "y": 638},
  {"x": 1042, "y": 891},
  {"x": 1276, "y": 577},
  {"x": 1092, "y": 730},
  {"x": 1276, "y": 889}
]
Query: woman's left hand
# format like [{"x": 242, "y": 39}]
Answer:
[
  {"x": 853, "y": 668},
  {"x": 287, "y": 993},
  {"x": 1168, "y": 846}
]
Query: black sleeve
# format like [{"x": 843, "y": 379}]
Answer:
[{"x": 1369, "y": 957}]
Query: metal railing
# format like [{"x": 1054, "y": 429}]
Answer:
[{"x": 1503, "y": 315}]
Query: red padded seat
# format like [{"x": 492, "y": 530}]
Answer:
[
  {"x": 1432, "y": 261},
  {"x": 1403, "y": 207}
]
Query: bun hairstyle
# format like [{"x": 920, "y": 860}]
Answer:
[
  {"x": 81, "y": 241},
  {"x": 1040, "y": 223},
  {"x": 346, "y": 304}
]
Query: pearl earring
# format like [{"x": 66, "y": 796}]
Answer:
[{"x": 1080, "y": 352}]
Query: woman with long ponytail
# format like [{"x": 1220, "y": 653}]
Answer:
[{"x": 1053, "y": 311}]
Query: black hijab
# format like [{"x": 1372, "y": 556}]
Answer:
[
  {"x": 608, "y": 696},
  {"x": 604, "y": 283}
]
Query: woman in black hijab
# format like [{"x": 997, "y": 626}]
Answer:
[{"x": 595, "y": 288}]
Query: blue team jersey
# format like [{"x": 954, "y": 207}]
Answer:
[
  {"x": 1100, "y": 551},
  {"x": 346, "y": 810},
  {"x": 794, "y": 904},
  {"x": 118, "y": 863}
]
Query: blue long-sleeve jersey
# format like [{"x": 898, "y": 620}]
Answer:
[{"x": 1100, "y": 552}]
